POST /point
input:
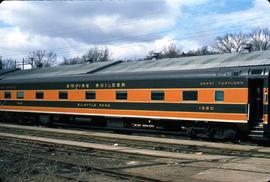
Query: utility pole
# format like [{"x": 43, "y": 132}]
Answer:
[
  {"x": 1, "y": 63},
  {"x": 32, "y": 62},
  {"x": 23, "y": 64}
]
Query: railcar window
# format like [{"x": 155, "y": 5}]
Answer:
[
  {"x": 39, "y": 95},
  {"x": 20, "y": 95},
  {"x": 219, "y": 95},
  {"x": 121, "y": 95},
  {"x": 90, "y": 95},
  {"x": 190, "y": 95},
  {"x": 7, "y": 95},
  {"x": 157, "y": 95},
  {"x": 63, "y": 95}
]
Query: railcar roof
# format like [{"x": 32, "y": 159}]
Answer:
[
  {"x": 182, "y": 64},
  {"x": 65, "y": 70},
  {"x": 193, "y": 63}
]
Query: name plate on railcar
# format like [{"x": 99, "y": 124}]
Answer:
[
  {"x": 111, "y": 85},
  {"x": 221, "y": 83},
  {"x": 93, "y": 105},
  {"x": 96, "y": 85},
  {"x": 206, "y": 108}
]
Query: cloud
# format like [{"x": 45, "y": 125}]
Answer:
[
  {"x": 71, "y": 28},
  {"x": 128, "y": 28},
  {"x": 215, "y": 19},
  {"x": 91, "y": 21},
  {"x": 16, "y": 44},
  {"x": 242, "y": 20},
  {"x": 138, "y": 50}
]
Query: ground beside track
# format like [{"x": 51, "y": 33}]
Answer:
[{"x": 35, "y": 161}]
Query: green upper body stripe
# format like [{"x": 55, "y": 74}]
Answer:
[{"x": 131, "y": 84}]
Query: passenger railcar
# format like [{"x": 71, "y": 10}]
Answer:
[{"x": 212, "y": 101}]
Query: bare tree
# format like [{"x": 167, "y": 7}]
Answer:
[
  {"x": 70, "y": 61},
  {"x": 260, "y": 39},
  {"x": 8, "y": 64},
  {"x": 42, "y": 59},
  {"x": 97, "y": 54},
  {"x": 204, "y": 50},
  {"x": 230, "y": 43},
  {"x": 50, "y": 58},
  {"x": 170, "y": 51}
]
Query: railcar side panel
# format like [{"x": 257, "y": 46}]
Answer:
[{"x": 233, "y": 107}]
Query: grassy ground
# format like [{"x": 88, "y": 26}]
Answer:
[
  {"x": 23, "y": 162},
  {"x": 24, "y": 168}
]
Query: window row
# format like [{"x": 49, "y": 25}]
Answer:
[{"x": 122, "y": 95}]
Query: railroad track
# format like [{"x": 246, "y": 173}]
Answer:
[
  {"x": 43, "y": 151},
  {"x": 19, "y": 142},
  {"x": 142, "y": 142},
  {"x": 106, "y": 147}
]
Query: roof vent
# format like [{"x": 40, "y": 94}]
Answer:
[
  {"x": 248, "y": 47},
  {"x": 256, "y": 72},
  {"x": 155, "y": 56}
]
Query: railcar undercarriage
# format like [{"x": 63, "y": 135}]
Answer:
[{"x": 194, "y": 129}]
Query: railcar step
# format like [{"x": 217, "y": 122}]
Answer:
[
  {"x": 259, "y": 125},
  {"x": 257, "y": 133},
  {"x": 257, "y": 137},
  {"x": 257, "y": 128}
]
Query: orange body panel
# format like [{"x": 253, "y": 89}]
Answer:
[
  {"x": 231, "y": 95},
  {"x": 134, "y": 113},
  {"x": 236, "y": 95},
  {"x": 207, "y": 96}
]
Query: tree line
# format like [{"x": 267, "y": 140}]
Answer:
[{"x": 256, "y": 40}]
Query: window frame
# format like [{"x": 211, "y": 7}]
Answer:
[
  {"x": 63, "y": 92},
  {"x": 157, "y": 92},
  {"x": 5, "y": 94},
  {"x": 17, "y": 95},
  {"x": 216, "y": 91},
  {"x": 190, "y": 91},
  {"x": 90, "y": 92},
  {"x": 121, "y": 92}
]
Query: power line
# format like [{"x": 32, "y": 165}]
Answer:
[
  {"x": 149, "y": 34},
  {"x": 253, "y": 19},
  {"x": 194, "y": 34},
  {"x": 68, "y": 28},
  {"x": 230, "y": 20},
  {"x": 72, "y": 29},
  {"x": 203, "y": 33}
]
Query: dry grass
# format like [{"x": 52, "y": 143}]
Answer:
[{"x": 25, "y": 168}]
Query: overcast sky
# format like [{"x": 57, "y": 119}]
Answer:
[{"x": 129, "y": 28}]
